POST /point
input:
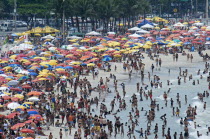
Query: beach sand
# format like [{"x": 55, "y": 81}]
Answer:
[{"x": 130, "y": 87}]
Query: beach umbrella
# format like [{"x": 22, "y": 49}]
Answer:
[
  {"x": 17, "y": 126},
  {"x": 15, "y": 89},
  {"x": 33, "y": 73},
  {"x": 107, "y": 59},
  {"x": 91, "y": 64},
  {"x": 26, "y": 130},
  {"x": 36, "y": 117},
  {"x": 19, "y": 137},
  {"x": 26, "y": 86},
  {"x": 32, "y": 112},
  {"x": 13, "y": 105},
  {"x": 13, "y": 82},
  {"x": 12, "y": 115},
  {"x": 33, "y": 99},
  {"x": 19, "y": 96},
  {"x": 6, "y": 97},
  {"x": 29, "y": 121},
  {"x": 35, "y": 93},
  {"x": 68, "y": 67}
]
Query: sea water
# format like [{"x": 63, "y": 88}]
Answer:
[{"x": 202, "y": 117}]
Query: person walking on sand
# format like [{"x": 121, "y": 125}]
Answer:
[
  {"x": 152, "y": 67},
  {"x": 50, "y": 136}
]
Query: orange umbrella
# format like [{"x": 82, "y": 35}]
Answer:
[
  {"x": 18, "y": 125},
  {"x": 35, "y": 93},
  {"x": 85, "y": 57},
  {"x": 26, "y": 130},
  {"x": 28, "y": 138}
]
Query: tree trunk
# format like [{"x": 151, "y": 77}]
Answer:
[
  {"x": 72, "y": 21},
  {"x": 77, "y": 22}
]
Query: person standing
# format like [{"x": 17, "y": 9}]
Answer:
[{"x": 50, "y": 136}]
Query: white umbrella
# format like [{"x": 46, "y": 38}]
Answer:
[
  {"x": 48, "y": 37},
  {"x": 142, "y": 31},
  {"x": 1, "y": 95},
  {"x": 93, "y": 33},
  {"x": 178, "y": 25},
  {"x": 13, "y": 105},
  {"x": 111, "y": 33},
  {"x": 52, "y": 48},
  {"x": 147, "y": 26},
  {"x": 74, "y": 37},
  {"x": 33, "y": 99},
  {"x": 13, "y": 82},
  {"x": 134, "y": 29},
  {"x": 3, "y": 75},
  {"x": 198, "y": 24},
  {"x": 134, "y": 36}
]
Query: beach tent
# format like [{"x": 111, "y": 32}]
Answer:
[{"x": 144, "y": 22}]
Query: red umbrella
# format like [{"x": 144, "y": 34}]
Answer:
[
  {"x": 18, "y": 125},
  {"x": 26, "y": 86},
  {"x": 12, "y": 115},
  {"x": 26, "y": 130},
  {"x": 15, "y": 89},
  {"x": 16, "y": 99},
  {"x": 6, "y": 97}
]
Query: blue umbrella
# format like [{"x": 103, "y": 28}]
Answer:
[
  {"x": 30, "y": 70},
  {"x": 68, "y": 67},
  {"x": 107, "y": 59},
  {"x": 58, "y": 67},
  {"x": 1, "y": 71},
  {"x": 83, "y": 64},
  {"x": 33, "y": 73},
  {"x": 32, "y": 112},
  {"x": 18, "y": 137}
]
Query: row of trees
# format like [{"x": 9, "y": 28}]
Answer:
[{"x": 99, "y": 13}]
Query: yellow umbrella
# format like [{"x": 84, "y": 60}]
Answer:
[
  {"x": 19, "y": 96},
  {"x": 37, "y": 34},
  {"x": 91, "y": 64},
  {"x": 147, "y": 46},
  {"x": 1, "y": 106},
  {"x": 117, "y": 55},
  {"x": 42, "y": 79},
  {"x": 7, "y": 93},
  {"x": 28, "y": 103},
  {"x": 13, "y": 56},
  {"x": 60, "y": 69},
  {"x": 76, "y": 63},
  {"x": 48, "y": 29},
  {"x": 20, "y": 107}
]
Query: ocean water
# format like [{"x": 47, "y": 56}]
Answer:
[{"x": 202, "y": 117}]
